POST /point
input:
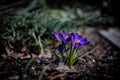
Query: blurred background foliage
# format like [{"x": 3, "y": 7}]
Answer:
[{"x": 19, "y": 19}]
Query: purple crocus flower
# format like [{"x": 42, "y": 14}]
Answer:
[
  {"x": 69, "y": 50},
  {"x": 62, "y": 36},
  {"x": 78, "y": 40}
]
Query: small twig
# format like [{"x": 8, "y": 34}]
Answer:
[
  {"x": 58, "y": 76},
  {"x": 43, "y": 71}
]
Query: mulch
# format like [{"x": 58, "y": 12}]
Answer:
[{"x": 102, "y": 63}]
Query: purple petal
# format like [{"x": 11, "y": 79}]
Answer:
[
  {"x": 79, "y": 37},
  {"x": 83, "y": 39},
  {"x": 58, "y": 36},
  {"x": 77, "y": 45},
  {"x": 76, "y": 37},
  {"x": 83, "y": 43},
  {"x": 71, "y": 34},
  {"x": 73, "y": 39},
  {"x": 64, "y": 34},
  {"x": 67, "y": 40},
  {"x": 60, "y": 48}
]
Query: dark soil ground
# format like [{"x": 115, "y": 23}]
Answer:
[{"x": 102, "y": 63}]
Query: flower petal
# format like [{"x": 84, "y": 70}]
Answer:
[
  {"x": 60, "y": 48},
  {"x": 83, "y": 43},
  {"x": 64, "y": 34},
  {"x": 67, "y": 40},
  {"x": 58, "y": 36},
  {"x": 83, "y": 39},
  {"x": 73, "y": 38},
  {"x": 79, "y": 37},
  {"x": 77, "y": 45}
]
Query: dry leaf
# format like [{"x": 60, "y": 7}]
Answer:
[{"x": 65, "y": 68}]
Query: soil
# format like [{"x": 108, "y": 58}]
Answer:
[{"x": 102, "y": 63}]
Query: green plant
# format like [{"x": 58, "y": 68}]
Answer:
[
  {"x": 69, "y": 45},
  {"x": 39, "y": 43}
]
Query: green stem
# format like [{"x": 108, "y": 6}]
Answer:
[
  {"x": 40, "y": 45},
  {"x": 85, "y": 53},
  {"x": 62, "y": 54},
  {"x": 71, "y": 55}
]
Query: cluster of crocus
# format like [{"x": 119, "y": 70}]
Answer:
[{"x": 69, "y": 45}]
